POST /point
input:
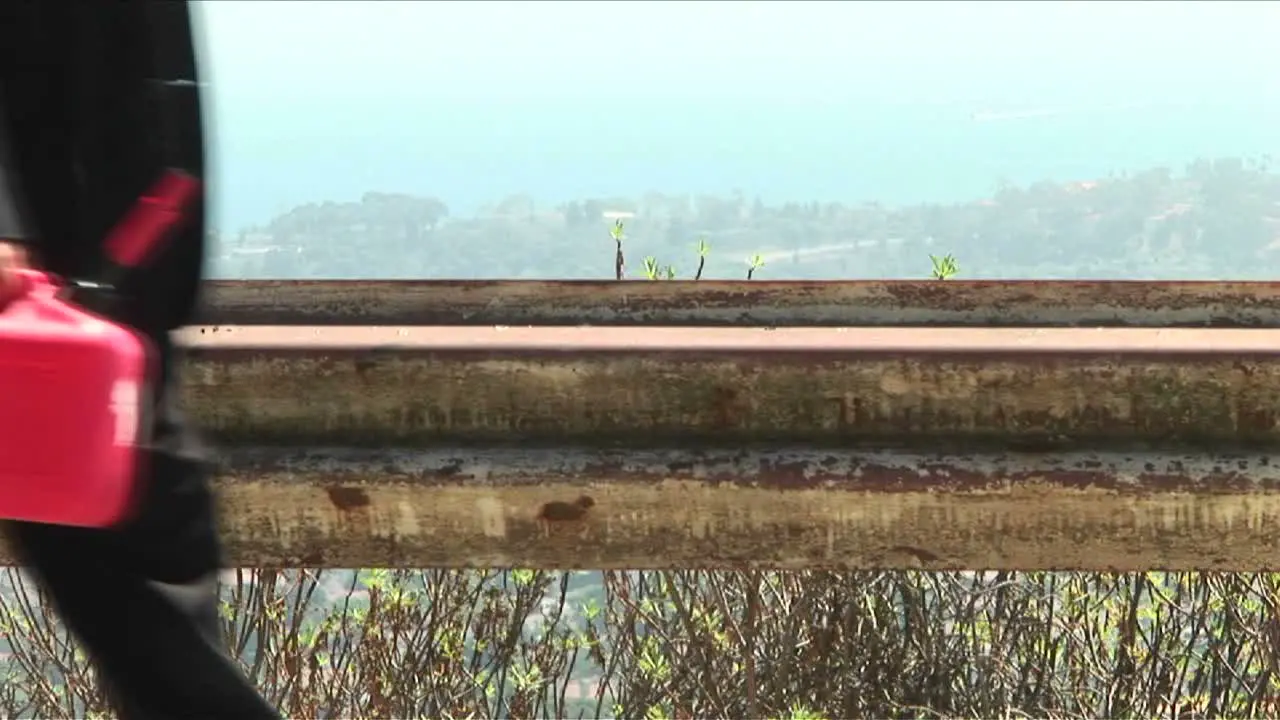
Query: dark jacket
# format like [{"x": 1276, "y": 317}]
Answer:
[{"x": 98, "y": 98}]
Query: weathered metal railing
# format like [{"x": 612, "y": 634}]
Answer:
[
  {"x": 431, "y": 440},
  {"x": 1026, "y": 303}
]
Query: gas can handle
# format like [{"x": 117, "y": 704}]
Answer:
[{"x": 150, "y": 222}]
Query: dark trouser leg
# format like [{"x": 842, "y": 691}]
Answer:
[{"x": 143, "y": 598}]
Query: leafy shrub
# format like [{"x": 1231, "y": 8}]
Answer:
[{"x": 526, "y": 643}]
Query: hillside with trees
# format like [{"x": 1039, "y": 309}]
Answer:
[{"x": 1216, "y": 218}]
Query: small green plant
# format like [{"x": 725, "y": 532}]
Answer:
[
  {"x": 619, "y": 262},
  {"x": 753, "y": 264},
  {"x": 651, "y": 268},
  {"x": 654, "y": 271},
  {"x": 945, "y": 267}
]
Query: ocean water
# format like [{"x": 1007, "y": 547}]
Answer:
[{"x": 476, "y": 153}]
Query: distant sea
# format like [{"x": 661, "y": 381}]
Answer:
[{"x": 473, "y": 154}]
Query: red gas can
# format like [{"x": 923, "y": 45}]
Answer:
[
  {"x": 72, "y": 390},
  {"x": 74, "y": 397}
]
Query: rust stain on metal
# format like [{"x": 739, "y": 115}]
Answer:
[
  {"x": 561, "y": 511},
  {"x": 559, "y": 515},
  {"x": 720, "y": 303},
  {"x": 792, "y": 508},
  {"x": 1020, "y": 388},
  {"x": 347, "y": 498}
]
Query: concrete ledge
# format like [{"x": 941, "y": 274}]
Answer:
[
  {"x": 974, "y": 303},
  {"x": 795, "y": 508},
  {"x": 1004, "y": 388}
]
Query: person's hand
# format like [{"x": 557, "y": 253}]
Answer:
[{"x": 13, "y": 258}]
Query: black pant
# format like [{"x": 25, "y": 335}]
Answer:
[{"x": 143, "y": 597}]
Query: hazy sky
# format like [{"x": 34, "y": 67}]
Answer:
[
  {"x": 452, "y": 49},
  {"x": 473, "y": 100}
]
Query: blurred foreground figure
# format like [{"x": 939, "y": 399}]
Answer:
[{"x": 98, "y": 98}]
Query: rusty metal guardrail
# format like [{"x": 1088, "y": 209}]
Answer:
[
  {"x": 1029, "y": 389},
  {"x": 1024, "y": 303},
  {"x": 796, "y": 447},
  {"x": 1112, "y": 449},
  {"x": 781, "y": 507}
]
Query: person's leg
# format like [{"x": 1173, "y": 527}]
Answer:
[{"x": 143, "y": 598}]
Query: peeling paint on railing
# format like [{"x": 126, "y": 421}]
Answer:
[{"x": 789, "y": 508}]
